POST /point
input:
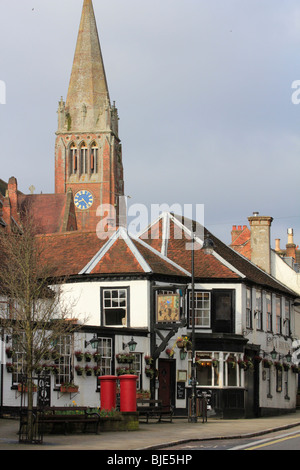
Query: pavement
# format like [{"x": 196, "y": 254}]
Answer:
[{"x": 151, "y": 436}]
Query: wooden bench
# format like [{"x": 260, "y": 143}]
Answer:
[
  {"x": 154, "y": 409},
  {"x": 65, "y": 417}
]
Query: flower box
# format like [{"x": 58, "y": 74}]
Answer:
[
  {"x": 24, "y": 388},
  {"x": 69, "y": 388}
]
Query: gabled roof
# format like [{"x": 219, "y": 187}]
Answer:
[
  {"x": 224, "y": 264},
  {"x": 82, "y": 253}
]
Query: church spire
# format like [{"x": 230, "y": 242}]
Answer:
[{"x": 88, "y": 94}]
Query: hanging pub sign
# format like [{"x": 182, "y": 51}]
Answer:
[{"x": 168, "y": 308}]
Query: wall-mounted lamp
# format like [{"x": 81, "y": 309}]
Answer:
[
  {"x": 93, "y": 342},
  {"x": 131, "y": 345},
  {"x": 273, "y": 353},
  {"x": 288, "y": 357}
]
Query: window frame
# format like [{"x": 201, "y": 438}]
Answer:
[
  {"x": 103, "y": 307},
  {"x": 203, "y": 309},
  {"x": 259, "y": 309},
  {"x": 269, "y": 314},
  {"x": 249, "y": 323}
]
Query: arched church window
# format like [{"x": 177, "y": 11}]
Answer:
[
  {"x": 94, "y": 158},
  {"x": 83, "y": 158},
  {"x": 73, "y": 164}
]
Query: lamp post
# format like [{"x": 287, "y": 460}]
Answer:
[
  {"x": 193, "y": 377},
  {"x": 208, "y": 248}
]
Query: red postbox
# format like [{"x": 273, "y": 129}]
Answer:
[
  {"x": 128, "y": 392},
  {"x": 108, "y": 392}
]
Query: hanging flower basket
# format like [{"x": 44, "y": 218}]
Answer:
[
  {"x": 148, "y": 360},
  {"x": 169, "y": 352},
  {"x": 286, "y": 366},
  {"x": 184, "y": 342},
  {"x": 295, "y": 369},
  {"x": 97, "y": 357},
  {"x": 9, "y": 352},
  {"x": 9, "y": 367},
  {"x": 215, "y": 363},
  {"x": 97, "y": 371},
  {"x": 79, "y": 370},
  {"x": 266, "y": 363},
  {"x": 69, "y": 388},
  {"x": 278, "y": 366},
  {"x": 242, "y": 364},
  {"x": 88, "y": 356},
  {"x": 79, "y": 355},
  {"x": 88, "y": 370},
  {"x": 150, "y": 373}
]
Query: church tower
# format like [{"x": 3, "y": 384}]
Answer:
[{"x": 88, "y": 154}]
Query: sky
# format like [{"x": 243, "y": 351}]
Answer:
[{"x": 208, "y": 115}]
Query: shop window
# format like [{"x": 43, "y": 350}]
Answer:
[
  {"x": 207, "y": 369},
  {"x": 114, "y": 307}
]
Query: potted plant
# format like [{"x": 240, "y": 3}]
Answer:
[
  {"x": 278, "y": 365},
  {"x": 22, "y": 387},
  {"x": 54, "y": 368},
  {"x": 231, "y": 362},
  {"x": 97, "y": 356},
  {"x": 242, "y": 364},
  {"x": 295, "y": 368},
  {"x": 150, "y": 373},
  {"x": 148, "y": 360},
  {"x": 266, "y": 363},
  {"x": 79, "y": 370},
  {"x": 183, "y": 342},
  {"x": 46, "y": 368},
  {"x": 88, "y": 370},
  {"x": 9, "y": 352},
  {"x": 286, "y": 366},
  {"x": 169, "y": 352},
  {"x": 69, "y": 387},
  {"x": 88, "y": 356},
  {"x": 78, "y": 355},
  {"x": 120, "y": 358},
  {"x": 215, "y": 363},
  {"x": 97, "y": 371},
  {"x": 9, "y": 367}
]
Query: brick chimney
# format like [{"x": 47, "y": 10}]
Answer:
[
  {"x": 260, "y": 241},
  {"x": 290, "y": 246},
  {"x": 12, "y": 192},
  {"x": 236, "y": 231}
]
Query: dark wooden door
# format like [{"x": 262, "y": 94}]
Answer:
[{"x": 166, "y": 378}]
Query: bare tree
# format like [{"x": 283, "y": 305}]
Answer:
[{"x": 37, "y": 315}]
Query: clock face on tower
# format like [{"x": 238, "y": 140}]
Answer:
[{"x": 83, "y": 199}]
